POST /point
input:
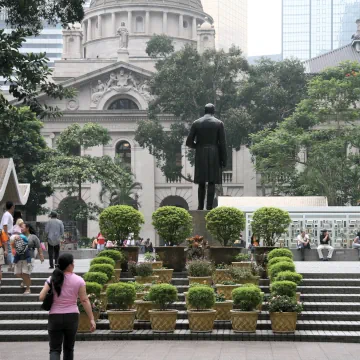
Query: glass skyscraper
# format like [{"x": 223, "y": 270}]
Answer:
[
  {"x": 314, "y": 27},
  {"x": 230, "y": 21}
]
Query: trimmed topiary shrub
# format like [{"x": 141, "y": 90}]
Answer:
[
  {"x": 242, "y": 257},
  {"x": 144, "y": 269},
  {"x": 173, "y": 224},
  {"x": 93, "y": 288},
  {"x": 115, "y": 255},
  {"x": 239, "y": 275},
  {"x": 138, "y": 287},
  {"x": 118, "y": 222},
  {"x": 107, "y": 269},
  {"x": 225, "y": 224},
  {"x": 279, "y": 267},
  {"x": 276, "y": 260},
  {"x": 163, "y": 295},
  {"x": 247, "y": 298},
  {"x": 103, "y": 260},
  {"x": 121, "y": 295},
  {"x": 290, "y": 276},
  {"x": 268, "y": 223},
  {"x": 199, "y": 268},
  {"x": 201, "y": 297},
  {"x": 280, "y": 253},
  {"x": 98, "y": 277},
  {"x": 283, "y": 288}
]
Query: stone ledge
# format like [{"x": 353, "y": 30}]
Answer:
[
  {"x": 338, "y": 255},
  {"x": 78, "y": 254}
]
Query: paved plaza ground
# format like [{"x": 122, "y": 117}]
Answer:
[{"x": 188, "y": 350}]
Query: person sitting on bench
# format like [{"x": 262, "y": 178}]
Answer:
[
  {"x": 356, "y": 242},
  {"x": 303, "y": 242},
  {"x": 325, "y": 244}
]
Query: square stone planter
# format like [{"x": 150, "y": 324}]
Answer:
[
  {"x": 165, "y": 275},
  {"x": 205, "y": 280},
  {"x": 221, "y": 275},
  {"x": 201, "y": 321},
  {"x": 122, "y": 321},
  {"x": 284, "y": 322},
  {"x": 244, "y": 321},
  {"x": 163, "y": 321},
  {"x": 223, "y": 310},
  {"x": 142, "y": 309},
  {"x": 173, "y": 257},
  {"x": 226, "y": 290},
  {"x": 146, "y": 279}
]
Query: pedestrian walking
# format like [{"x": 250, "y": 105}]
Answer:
[
  {"x": 6, "y": 227},
  {"x": 54, "y": 231}
]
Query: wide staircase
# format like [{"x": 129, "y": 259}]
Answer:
[{"x": 331, "y": 314}]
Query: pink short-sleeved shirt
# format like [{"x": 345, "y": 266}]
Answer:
[{"x": 66, "y": 303}]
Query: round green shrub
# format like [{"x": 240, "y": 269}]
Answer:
[
  {"x": 107, "y": 269},
  {"x": 283, "y": 304},
  {"x": 280, "y": 253},
  {"x": 225, "y": 224},
  {"x": 144, "y": 269},
  {"x": 242, "y": 257},
  {"x": 103, "y": 260},
  {"x": 276, "y": 260},
  {"x": 283, "y": 288},
  {"x": 121, "y": 295},
  {"x": 239, "y": 275},
  {"x": 163, "y": 295},
  {"x": 118, "y": 222},
  {"x": 199, "y": 268},
  {"x": 268, "y": 223},
  {"x": 247, "y": 298},
  {"x": 201, "y": 297},
  {"x": 98, "y": 277},
  {"x": 290, "y": 276},
  {"x": 198, "y": 285},
  {"x": 279, "y": 267},
  {"x": 172, "y": 223},
  {"x": 93, "y": 288},
  {"x": 138, "y": 287},
  {"x": 115, "y": 255}
]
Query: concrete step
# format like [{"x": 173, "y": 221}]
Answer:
[
  {"x": 20, "y": 306},
  {"x": 19, "y": 298},
  {"x": 17, "y": 282},
  {"x": 318, "y": 275},
  {"x": 339, "y": 297},
  {"x": 331, "y": 282}
]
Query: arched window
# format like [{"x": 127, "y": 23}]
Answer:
[
  {"x": 123, "y": 104},
  {"x": 123, "y": 151},
  {"x": 139, "y": 24}
]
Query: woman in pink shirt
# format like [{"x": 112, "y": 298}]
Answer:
[{"x": 64, "y": 312}]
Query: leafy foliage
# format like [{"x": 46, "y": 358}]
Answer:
[
  {"x": 115, "y": 255},
  {"x": 138, "y": 287},
  {"x": 220, "y": 297},
  {"x": 163, "y": 295},
  {"x": 279, "y": 267},
  {"x": 290, "y": 276},
  {"x": 283, "y": 288},
  {"x": 143, "y": 269},
  {"x": 284, "y": 304},
  {"x": 280, "y": 253},
  {"x": 117, "y": 222},
  {"x": 121, "y": 295},
  {"x": 269, "y": 223},
  {"x": 173, "y": 224},
  {"x": 242, "y": 257},
  {"x": 225, "y": 224},
  {"x": 247, "y": 298},
  {"x": 276, "y": 260},
  {"x": 151, "y": 257},
  {"x": 159, "y": 46},
  {"x": 107, "y": 269},
  {"x": 199, "y": 268},
  {"x": 98, "y": 277},
  {"x": 103, "y": 260},
  {"x": 201, "y": 297},
  {"x": 239, "y": 275},
  {"x": 93, "y": 288}
]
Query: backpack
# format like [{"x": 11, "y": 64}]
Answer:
[{"x": 20, "y": 246}]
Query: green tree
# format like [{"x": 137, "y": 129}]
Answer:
[
  {"x": 68, "y": 169},
  {"x": 160, "y": 46},
  {"x": 308, "y": 154}
]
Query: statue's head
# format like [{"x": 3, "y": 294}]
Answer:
[
  {"x": 122, "y": 24},
  {"x": 210, "y": 109}
]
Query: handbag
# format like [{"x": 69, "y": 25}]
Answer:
[{"x": 49, "y": 298}]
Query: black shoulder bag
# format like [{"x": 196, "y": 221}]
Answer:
[{"x": 49, "y": 298}]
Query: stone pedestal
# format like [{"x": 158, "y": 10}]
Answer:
[
  {"x": 123, "y": 55},
  {"x": 199, "y": 226}
]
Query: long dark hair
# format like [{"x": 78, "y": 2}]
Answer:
[
  {"x": 17, "y": 216},
  {"x": 58, "y": 276},
  {"x": 30, "y": 228}
]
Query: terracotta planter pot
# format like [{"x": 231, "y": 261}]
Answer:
[
  {"x": 223, "y": 310},
  {"x": 223, "y": 255},
  {"x": 122, "y": 321},
  {"x": 206, "y": 280},
  {"x": 201, "y": 321},
  {"x": 163, "y": 321},
  {"x": 165, "y": 275},
  {"x": 298, "y": 295},
  {"x": 227, "y": 290},
  {"x": 146, "y": 279},
  {"x": 254, "y": 281},
  {"x": 84, "y": 322},
  {"x": 104, "y": 301},
  {"x": 221, "y": 275},
  {"x": 283, "y": 322},
  {"x": 243, "y": 264},
  {"x": 173, "y": 257},
  {"x": 157, "y": 265},
  {"x": 117, "y": 274},
  {"x": 142, "y": 309},
  {"x": 244, "y": 321}
]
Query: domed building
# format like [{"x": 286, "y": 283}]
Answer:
[{"x": 104, "y": 59}]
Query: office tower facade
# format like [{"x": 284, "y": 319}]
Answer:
[
  {"x": 314, "y": 27},
  {"x": 230, "y": 21}
]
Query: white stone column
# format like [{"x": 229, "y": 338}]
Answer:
[
  {"x": 88, "y": 37},
  {"x": 113, "y": 24},
  {"x": 147, "y": 22},
  {"x": 84, "y": 29},
  {"x": 181, "y": 25},
  {"x": 99, "y": 27},
  {"x": 129, "y": 25},
  {"x": 194, "y": 31},
  {"x": 165, "y": 17}
]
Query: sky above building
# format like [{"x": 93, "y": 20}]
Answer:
[{"x": 264, "y": 27}]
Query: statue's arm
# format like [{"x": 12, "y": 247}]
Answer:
[
  {"x": 190, "y": 141},
  {"x": 222, "y": 146}
]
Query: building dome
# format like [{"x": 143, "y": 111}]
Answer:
[{"x": 190, "y": 4}]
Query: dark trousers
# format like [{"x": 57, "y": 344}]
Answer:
[
  {"x": 210, "y": 196},
  {"x": 302, "y": 250},
  {"x": 62, "y": 330},
  {"x": 53, "y": 254}
]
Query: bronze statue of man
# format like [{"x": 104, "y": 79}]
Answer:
[{"x": 207, "y": 137}]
